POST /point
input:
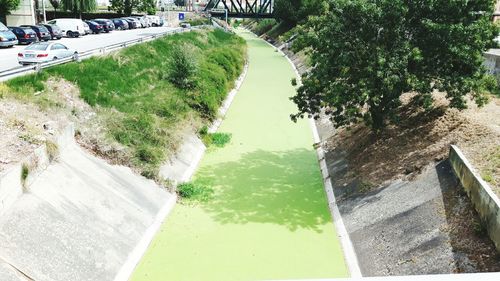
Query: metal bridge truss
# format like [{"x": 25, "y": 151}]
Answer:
[{"x": 240, "y": 8}]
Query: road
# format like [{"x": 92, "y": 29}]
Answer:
[
  {"x": 268, "y": 217},
  {"x": 8, "y": 57}
]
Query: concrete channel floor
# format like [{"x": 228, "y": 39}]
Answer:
[{"x": 268, "y": 218}]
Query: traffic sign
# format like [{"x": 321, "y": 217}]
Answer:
[{"x": 181, "y": 16}]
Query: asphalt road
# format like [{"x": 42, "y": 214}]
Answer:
[{"x": 8, "y": 57}]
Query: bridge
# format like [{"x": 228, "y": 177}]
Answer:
[{"x": 241, "y": 8}]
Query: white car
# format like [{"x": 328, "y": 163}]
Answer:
[
  {"x": 70, "y": 27},
  {"x": 86, "y": 28},
  {"x": 155, "y": 20},
  {"x": 44, "y": 52}
]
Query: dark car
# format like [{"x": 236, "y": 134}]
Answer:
[
  {"x": 42, "y": 32},
  {"x": 54, "y": 30},
  {"x": 7, "y": 37},
  {"x": 107, "y": 25},
  {"x": 120, "y": 24},
  {"x": 25, "y": 35},
  {"x": 132, "y": 24},
  {"x": 95, "y": 27}
]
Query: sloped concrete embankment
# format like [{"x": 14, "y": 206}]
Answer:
[
  {"x": 79, "y": 218},
  {"x": 409, "y": 227},
  {"x": 75, "y": 219}
]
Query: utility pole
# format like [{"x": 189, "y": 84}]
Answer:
[{"x": 44, "y": 14}]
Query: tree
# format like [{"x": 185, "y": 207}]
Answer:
[
  {"x": 180, "y": 3},
  {"x": 55, "y": 4},
  {"x": 182, "y": 68},
  {"x": 366, "y": 53},
  {"x": 124, "y": 6},
  {"x": 147, "y": 6},
  {"x": 79, "y": 6},
  {"x": 295, "y": 11},
  {"x": 6, "y": 6}
]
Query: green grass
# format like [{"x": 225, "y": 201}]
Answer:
[
  {"x": 194, "y": 192},
  {"x": 198, "y": 21},
  {"x": 267, "y": 218},
  {"x": 134, "y": 82}
]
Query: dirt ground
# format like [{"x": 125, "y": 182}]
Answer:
[
  {"x": 28, "y": 122},
  {"x": 24, "y": 126},
  {"x": 423, "y": 137}
]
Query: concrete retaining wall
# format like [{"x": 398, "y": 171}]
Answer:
[
  {"x": 485, "y": 201},
  {"x": 11, "y": 185}
]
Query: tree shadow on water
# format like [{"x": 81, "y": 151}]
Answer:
[{"x": 283, "y": 188}]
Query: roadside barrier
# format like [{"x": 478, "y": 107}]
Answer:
[
  {"x": 485, "y": 201},
  {"x": 23, "y": 70}
]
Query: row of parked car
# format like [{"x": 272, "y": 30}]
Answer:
[
  {"x": 43, "y": 51},
  {"x": 58, "y": 28}
]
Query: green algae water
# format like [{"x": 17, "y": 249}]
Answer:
[{"x": 268, "y": 217}]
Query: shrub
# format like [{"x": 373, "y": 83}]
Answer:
[
  {"x": 25, "y": 170},
  {"x": 52, "y": 150},
  {"x": 221, "y": 139},
  {"x": 217, "y": 139},
  {"x": 194, "y": 191},
  {"x": 182, "y": 69},
  {"x": 264, "y": 26}
]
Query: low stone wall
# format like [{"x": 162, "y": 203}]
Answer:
[{"x": 485, "y": 201}]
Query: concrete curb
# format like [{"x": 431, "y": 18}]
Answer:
[
  {"x": 345, "y": 241},
  {"x": 140, "y": 249},
  {"x": 436, "y": 277},
  {"x": 485, "y": 201}
]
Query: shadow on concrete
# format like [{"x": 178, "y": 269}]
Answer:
[
  {"x": 283, "y": 188},
  {"x": 422, "y": 226}
]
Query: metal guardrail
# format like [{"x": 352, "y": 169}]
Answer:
[{"x": 22, "y": 70}]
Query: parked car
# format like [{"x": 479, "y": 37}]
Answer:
[
  {"x": 142, "y": 21},
  {"x": 120, "y": 24},
  {"x": 7, "y": 37},
  {"x": 132, "y": 23},
  {"x": 42, "y": 32},
  {"x": 94, "y": 26},
  {"x": 70, "y": 27},
  {"x": 86, "y": 28},
  {"x": 185, "y": 25},
  {"x": 107, "y": 25},
  {"x": 54, "y": 30},
  {"x": 155, "y": 20},
  {"x": 25, "y": 35},
  {"x": 44, "y": 52}
]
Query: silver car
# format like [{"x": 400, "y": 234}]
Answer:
[{"x": 44, "y": 52}]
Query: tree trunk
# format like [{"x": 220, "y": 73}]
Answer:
[{"x": 378, "y": 119}]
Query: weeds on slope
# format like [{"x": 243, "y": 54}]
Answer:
[{"x": 150, "y": 109}]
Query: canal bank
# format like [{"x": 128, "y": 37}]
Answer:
[{"x": 268, "y": 217}]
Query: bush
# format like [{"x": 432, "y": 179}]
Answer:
[
  {"x": 194, "y": 191},
  {"x": 264, "y": 26},
  {"x": 217, "y": 139},
  {"x": 182, "y": 69}
]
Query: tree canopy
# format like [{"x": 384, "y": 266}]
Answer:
[
  {"x": 55, "y": 4},
  {"x": 7, "y": 6},
  {"x": 79, "y": 6},
  {"x": 127, "y": 6},
  {"x": 366, "y": 53},
  {"x": 295, "y": 11}
]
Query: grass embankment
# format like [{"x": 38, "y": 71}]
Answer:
[{"x": 144, "y": 110}]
